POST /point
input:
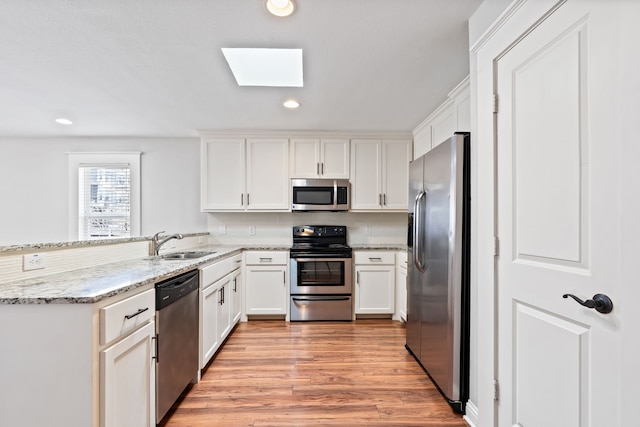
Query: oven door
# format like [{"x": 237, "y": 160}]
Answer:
[{"x": 321, "y": 276}]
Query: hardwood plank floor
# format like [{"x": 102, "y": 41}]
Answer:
[{"x": 275, "y": 373}]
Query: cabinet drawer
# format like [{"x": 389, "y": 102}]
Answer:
[
  {"x": 374, "y": 257},
  {"x": 125, "y": 316},
  {"x": 211, "y": 273},
  {"x": 267, "y": 258}
]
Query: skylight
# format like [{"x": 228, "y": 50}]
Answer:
[{"x": 265, "y": 67}]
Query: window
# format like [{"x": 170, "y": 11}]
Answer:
[{"x": 104, "y": 195}]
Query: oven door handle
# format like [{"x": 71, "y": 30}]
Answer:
[
  {"x": 322, "y": 298},
  {"x": 320, "y": 259}
]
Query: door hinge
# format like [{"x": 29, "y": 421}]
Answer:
[
  {"x": 495, "y": 102},
  {"x": 496, "y": 390},
  {"x": 496, "y": 246}
]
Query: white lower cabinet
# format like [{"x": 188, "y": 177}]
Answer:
[
  {"x": 127, "y": 365},
  {"x": 91, "y": 365},
  {"x": 224, "y": 308},
  {"x": 375, "y": 282},
  {"x": 209, "y": 324},
  {"x": 217, "y": 316},
  {"x": 266, "y": 282},
  {"x": 401, "y": 286},
  {"x": 128, "y": 380},
  {"x": 236, "y": 296}
]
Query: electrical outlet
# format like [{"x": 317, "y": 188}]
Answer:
[
  {"x": 34, "y": 262},
  {"x": 222, "y": 230},
  {"x": 367, "y": 230},
  {"x": 252, "y": 230}
]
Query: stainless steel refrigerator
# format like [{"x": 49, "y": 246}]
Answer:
[{"x": 438, "y": 266}]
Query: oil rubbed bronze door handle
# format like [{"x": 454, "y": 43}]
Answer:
[{"x": 600, "y": 302}]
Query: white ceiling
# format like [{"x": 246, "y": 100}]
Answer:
[{"x": 154, "y": 67}]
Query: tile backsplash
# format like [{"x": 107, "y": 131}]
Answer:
[{"x": 275, "y": 228}]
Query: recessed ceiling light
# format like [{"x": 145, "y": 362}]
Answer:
[
  {"x": 281, "y": 8},
  {"x": 64, "y": 121},
  {"x": 291, "y": 103},
  {"x": 265, "y": 67}
]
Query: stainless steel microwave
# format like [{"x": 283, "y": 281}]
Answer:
[{"x": 320, "y": 194}]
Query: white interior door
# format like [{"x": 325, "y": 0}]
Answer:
[{"x": 558, "y": 221}]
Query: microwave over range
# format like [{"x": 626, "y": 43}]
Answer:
[{"x": 320, "y": 195}]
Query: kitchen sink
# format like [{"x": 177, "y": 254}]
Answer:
[{"x": 185, "y": 255}]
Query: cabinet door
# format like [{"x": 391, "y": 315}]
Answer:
[
  {"x": 334, "y": 158},
  {"x": 266, "y": 290},
  {"x": 236, "y": 297},
  {"x": 304, "y": 157},
  {"x": 396, "y": 156},
  {"x": 401, "y": 288},
  {"x": 224, "y": 309},
  {"x": 366, "y": 191},
  {"x": 375, "y": 289},
  {"x": 267, "y": 174},
  {"x": 222, "y": 174},
  {"x": 209, "y": 325},
  {"x": 128, "y": 381}
]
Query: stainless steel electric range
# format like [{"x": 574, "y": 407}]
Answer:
[{"x": 321, "y": 274}]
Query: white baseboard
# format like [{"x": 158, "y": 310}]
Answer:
[{"x": 471, "y": 414}]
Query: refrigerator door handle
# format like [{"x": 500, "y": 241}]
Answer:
[{"x": 418, "y": 231}]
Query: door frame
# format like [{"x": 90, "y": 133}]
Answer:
[{"x": 514, "y": 23}]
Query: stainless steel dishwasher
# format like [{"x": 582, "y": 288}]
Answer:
[{"x": 177, "y": 338}]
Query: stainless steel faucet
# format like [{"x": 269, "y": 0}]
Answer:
[{"x": 156, "y": 243}]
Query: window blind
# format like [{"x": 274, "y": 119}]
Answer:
[{"x": 104, "y": 201}]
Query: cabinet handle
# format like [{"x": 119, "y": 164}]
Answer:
[
  {"x": 380, "y": 199},
  {"x": 357, "y": 277},
  {"x": 384, "y": 199},
  {"x": 241, "y": 199},
  {"x": 322, "y": 168},
  {"x": 284, "y": 278},
  {"x": 234, "y": 285},
  {"x": 140, "y": 311},
  {"x": 375, "y": 259},
  {"x": 317, "y": 168},
  {"x": 155, "y": 338},
  {"x": 247, "y": 199},
  {"x": 266, "y": 259}
]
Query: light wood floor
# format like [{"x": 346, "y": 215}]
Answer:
[{"x": 275, "y": 373}]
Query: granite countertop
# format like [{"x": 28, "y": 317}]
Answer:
[
  {"x": 92, "y": 284},
  {"x": 380, "y": 247}
]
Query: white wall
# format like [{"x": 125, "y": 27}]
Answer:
[
  {"x": 276, "y": 228},
  {"x": 484, "y": 16},
  {"x": 481, "y": 20},
  {"x": 33, "y": 193}
]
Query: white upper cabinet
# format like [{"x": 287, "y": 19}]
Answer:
[
  {"x": 454, "y": 115},
  {"x": 239, "y": 175},
  {"x": 379, "y": 174},
  {"x": 222, "y": 174},
  {"x": 267, "y": 174},
  {"x": 319, "y": 158}
]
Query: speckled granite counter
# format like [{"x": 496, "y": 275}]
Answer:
[
  {"x": 93, "y": 284},
  {"x": 380, "y": 247}
]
